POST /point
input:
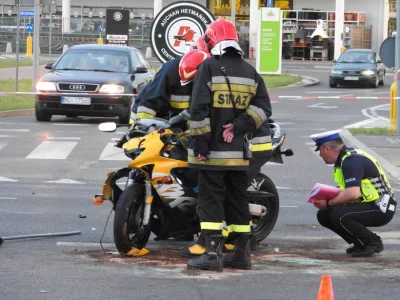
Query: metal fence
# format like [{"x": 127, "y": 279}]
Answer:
[{"x": 81, "y": 27}]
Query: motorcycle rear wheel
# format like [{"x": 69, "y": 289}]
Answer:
[
  {"x": 129, "y": 231},
  {"x": 263, "y": 226}
]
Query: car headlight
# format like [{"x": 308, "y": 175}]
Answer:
[
  {"x": 368, "y": 72},
  {"x": 112, "y": 89},
  {"x": 336, "y": 72},
  {"x": 46, "y": 86}
]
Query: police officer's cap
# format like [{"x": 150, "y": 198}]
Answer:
[{"x": 321, "y": 138}]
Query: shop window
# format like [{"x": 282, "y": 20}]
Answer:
[{"x": 242, "y": 7}]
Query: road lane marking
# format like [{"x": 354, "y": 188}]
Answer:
[
  {"x": 5, "y": 179},
  {"x": 113, "y": 153},
  {"x": 63, "y": 138},
  {"x": 319, "y": 105},
  {"x": 69, "y": 124},
  {"x": 52, "y": 150},
  {"x": 15, "y": 130},
  {"x": 7, "y": 136},
  {"x": 65, "y": 181},
  {"x": 3, "y": 144},
  {"x": 8, "y": 198},
  {"x": 288, "y": 206}
]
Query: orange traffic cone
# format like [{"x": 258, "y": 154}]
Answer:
[{"x": 325, "y": 291}]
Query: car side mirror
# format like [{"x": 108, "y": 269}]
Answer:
[
  {"x": 49, "y": 66},
  {"x": 140, "y": 70}
]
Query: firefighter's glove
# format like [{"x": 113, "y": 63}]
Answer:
[
  {"x": 228, "y": 133},
  {"x": 200, "y": 146}
]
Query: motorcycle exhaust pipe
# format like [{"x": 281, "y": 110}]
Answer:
[{"x": 257, "y": 210}]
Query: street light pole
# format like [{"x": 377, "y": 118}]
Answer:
[
  {"x": 397, "y": 65},
  {"x": 17, "y": 47},
  {"x": 36, "y": 47}
]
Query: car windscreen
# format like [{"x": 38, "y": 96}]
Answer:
[
  {"x": 101, "y": 60},
  {"x": 357, "y": 57}
]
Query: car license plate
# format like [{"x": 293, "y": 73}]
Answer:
[
  {"x": 351, "y": 78},
  {"x": 76, "y": 100}
]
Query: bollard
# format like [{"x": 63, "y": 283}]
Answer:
[
  {"x": 148, "y": 52},
  {"x": 65, "y": 48},
  {"x": 393, "y": 92},
  {"x": 9, "y": 48},
  {"x": 29, "y": 46},
  {"x": 252, "y": 53},
  {"x": 100, "y": 41}
]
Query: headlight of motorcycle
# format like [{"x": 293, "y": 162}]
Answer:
[
  {"x": 112, "y": 89},
  {"x": 46, "y": 86},
  {"x": 132, "y": 154},
  {"x": 368, "y": 72},
  {"x": 335, "y": 72}
]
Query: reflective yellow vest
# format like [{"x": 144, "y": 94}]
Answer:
[{"x": 372, "y": 189}]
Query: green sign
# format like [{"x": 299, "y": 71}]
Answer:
[{"x": 269, "y": 48}]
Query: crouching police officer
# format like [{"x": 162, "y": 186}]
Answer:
[
  {"x": 367, "y": 199},
  {"x": 228, "y": 104}
]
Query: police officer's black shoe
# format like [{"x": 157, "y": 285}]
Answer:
[
  {"x": 368, "y": 250},
  {"x": 351, "y": 249},
  {"x": 1, "y": 241},
  {"x": 240, "y": 257},
  {"x": 211, "y": 260}
]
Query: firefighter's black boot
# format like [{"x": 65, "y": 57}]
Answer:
[
  {"x": 240, "y": 257},
  {"x": 211, "y": 260}
]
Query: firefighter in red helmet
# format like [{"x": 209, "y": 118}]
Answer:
[{"x": 228, "y": 105}]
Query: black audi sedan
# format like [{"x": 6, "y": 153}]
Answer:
[
  {"x": 92, "y": 80},
  {"x": 357, "y": 67}
]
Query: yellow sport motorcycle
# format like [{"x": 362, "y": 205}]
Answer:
[{"x": 160, "y": 192}]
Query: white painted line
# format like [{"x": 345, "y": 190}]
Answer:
[
  {"x": 272, "y": 102},
  {"x": 113, "y": 153},
  {"x": 80, "y": 244},
  {"x": 283, "y": 188},
  {"x": 120, "y": 132},
  {"x": 69, "y": 124},
  {"x": 391, "y": 141},
  {"x": 63, "y": 138},
  {"x": 21, "y": 212},
  {"x": 319, "y": 105},
  {"x": 115, "y": 139},
  {"x": 274, "y": 164},
  {"x": 65, "y": 181},
  {"x": 324, "y": 92},
  {"x": 52, "y": 150},
  {"x": 3, "y": 144},
  {"x": 8, "y": 198},
  {"x": 310, "y": 143},
  {"x": 288, "y": 206},
  {"x": 360, "y": 124},
  {"x": 5, "y": 179},
  {"x": 16, "y": 130},
  {"x": 7, "y": 136}
]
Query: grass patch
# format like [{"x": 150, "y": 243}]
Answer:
[
  {"x": 10, "y": 63},
  {"x": 273, "y": 81},
  {"x": 12, "y": 102},
  {"x": 372, "y": 131}
]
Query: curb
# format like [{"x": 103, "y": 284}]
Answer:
[
  {"x": 17, "y": 113},
  {"x": 306, "y": 81},
  {"x": 393, "y": 171}
]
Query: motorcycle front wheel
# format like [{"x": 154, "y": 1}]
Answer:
[
  {"x": 262, "y": 226},
  {"x": 129, "y": 231}
]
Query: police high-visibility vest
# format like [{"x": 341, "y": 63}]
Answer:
[{"x": 372, "y": 189}]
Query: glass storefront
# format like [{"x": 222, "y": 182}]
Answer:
[{"x": 223, "y": 8}]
